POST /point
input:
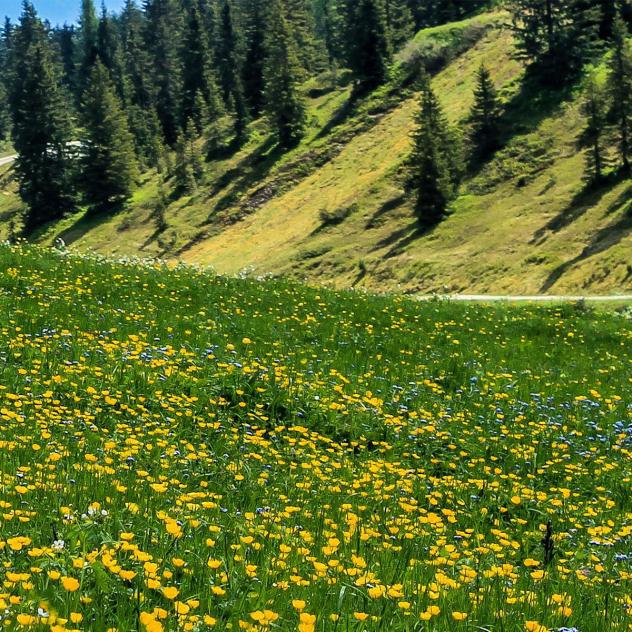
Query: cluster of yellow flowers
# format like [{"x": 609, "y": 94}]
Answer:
[{"x": 182, "y": 452}]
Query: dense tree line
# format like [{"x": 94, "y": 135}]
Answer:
[
  {"x": 119, "y": 89},
  {"x": 113, "y": 95}
]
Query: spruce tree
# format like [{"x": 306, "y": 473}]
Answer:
[
  {"x": 66, "y": 41},
  {"x": 108, "y": 169},
  {"x": 555, "y": 35},
  {"x": 400, "y": 21},
  {"x": 620, "y": 88},
  {"x": 284, "y": 104},
  {"x": 41, "y": 125},
  {"x": 432, "y": 174},
  {"x": 369, "y": 50},
  {"x": 230, "y": 69},
  {"x": 200, "y": 98},
  {"x": 162, "y": 30},
  {"x": 88, "y": 33},
  {"x": 255, "y": 57},
  {"x": 484, "y": 116},
  {"x": 592, "y": 137},
  {"x": 310, "y": 52}
]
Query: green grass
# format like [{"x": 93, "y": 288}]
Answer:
[{"x": 182, "y": 451}]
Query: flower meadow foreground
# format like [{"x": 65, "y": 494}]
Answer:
[{"x": 186, "y": 452}]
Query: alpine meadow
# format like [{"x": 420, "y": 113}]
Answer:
[{"x": 316, "y": 316}]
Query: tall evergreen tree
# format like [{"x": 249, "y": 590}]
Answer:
[
  {"x": 283, "y": 102},
  {"x": 143, "y": 120},
  {"x": 620, "y": 86},
  {"x": 432, "y": 176},
  {"x": 310, "y": 52},
  {"x": 162, "y": 30},
  {"x": 369, "y": 50},
  {"x": 230, "y": 69},
  {"x": 484, "y": 116},
  {"x": 89, "y": 35},
  {"x": 555, "y": 35},
  {"x": 66, "y": 40},
  {"x": 255, "y": 56},
  {"x": 109, "y": 166},
  {"x": 200, "y": 98},
  {"x": 594, "y": 108},
  {"x": 400, "y": 21},
  {"x": 41, "y": 125}
]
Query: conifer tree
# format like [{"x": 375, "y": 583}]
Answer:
[
  {"x": 484, "y": 116},
  {"x": 41, "y": 125},
  {"x": 89, "y": 33},
  {"x": 143, "y": 120},
  {"x": 200, "y": 98},
  {"x": 230, "y": 69},
  {"x": 110, "y": 54},
  {"x": 108, "y": 169},
  {"x": 620, "y": 87},
  {"x": 188, "y": 167},
  {"x": 284, "y": 104},
  {"x": 369, "y": 50},
  {"x": 555, "y": 35},
  {"x": 433, "y": 176},
  {"x": 400, "y": 21},
  {"x": 162, "y": 29},
  {"x": 255, "y": 56},
  {"x": 310, "y": 52},
  {"x": 65, "y": 38},
  {"x": 594, "y": 108}
]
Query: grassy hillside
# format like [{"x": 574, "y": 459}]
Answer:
[
  {"x": 187, "y": 452},
  {"x": 333, "y": 210}
]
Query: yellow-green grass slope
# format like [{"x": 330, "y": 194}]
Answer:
[{"x": 333, "y": 210}]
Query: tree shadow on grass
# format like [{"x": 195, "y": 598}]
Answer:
[
  {"x": 399, "y": 240},
  {"x": 581, "y": 203},
  {"x": 605, "y": 239}
]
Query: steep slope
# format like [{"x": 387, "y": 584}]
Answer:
[{"x": 333, "y": 210}]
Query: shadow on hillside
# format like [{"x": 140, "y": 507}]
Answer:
[
  {"x": 606, "y": 238},
  {"x": 397, "y": 241},
  {"x": 386, "y": 207},
  {"x": 82, "y": 226},
  {"x": 534, "y": 102},
  {"x": 252, "y": 169},
  {"x": 581, "y": 203}
]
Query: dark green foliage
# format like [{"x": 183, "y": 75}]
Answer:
[
  {"x": 41, "y": 125},
  {"x": 89, "y": 34},
  {"x": 162, "y": 30},
  {"x": 594, "y": 108},
  {"x": 66, "y": 41},
  {"x": 108, "y": 162},
  {"x": 189, "y": 166},
  {"x": 310, "y": 52},
  {"x": 369, "y": 50},
  {"x": 434, "y": 171},
  {"x": 109, "y": 52},
  {"x": 555, "y": 35},
  {"x": 200, "y": 99},
  {"x": 230, "y": 64},
  {"x": 400, "y": 22},
  {"x": 484, "y": 117},
  {"x": 620, "y": 88},
  {"x": 255, "y": 53},
  {"x": 284, "y": 104}
]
